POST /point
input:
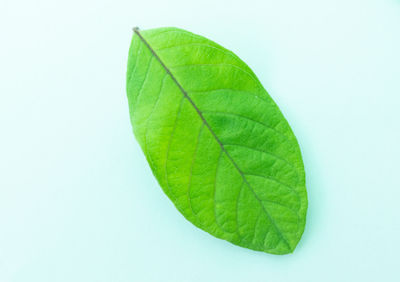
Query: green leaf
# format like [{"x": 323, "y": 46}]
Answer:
[{"x": 217, "y": 143}]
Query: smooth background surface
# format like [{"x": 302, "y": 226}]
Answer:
[{"x": 77, "y": 199}]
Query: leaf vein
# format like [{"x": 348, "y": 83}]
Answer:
[
  {"x": 264, "y": 152},
  {"x": 276, "y": 181},
  {"x": 247, "y": 118},
  {"x": 198, "y": 44},
  {"x": 151, "y": 113},
  {"x": 230, "y": 91},
  {"x": 185, "y": 95},
  {"x": 219, "y": 65},
  {"x": 191, "y": 169},
  {"x": 215, "y": 191},
  {"x": 169, "y": 146},
  {"x": 134, "y": 68},
  {"x": 145, "y": 79}
]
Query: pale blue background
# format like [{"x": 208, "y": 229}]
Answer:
[{"x": 77, "y": 199}]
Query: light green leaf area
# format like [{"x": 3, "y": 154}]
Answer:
[{"x": 217, "y": 143}]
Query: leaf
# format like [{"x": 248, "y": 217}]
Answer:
[{"x": 215, "y": 140}]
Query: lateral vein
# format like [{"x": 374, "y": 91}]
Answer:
[{"x": 136, "y": 30}]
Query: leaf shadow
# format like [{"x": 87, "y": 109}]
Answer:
[{"x": 315, "y": 193}]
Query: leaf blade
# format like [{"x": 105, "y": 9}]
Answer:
[{"x": 257, "y": 197}]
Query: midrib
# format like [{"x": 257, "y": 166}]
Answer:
[{"x": 185, "y": 94}]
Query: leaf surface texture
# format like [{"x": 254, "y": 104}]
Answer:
[{"x": 215, "y": 140}]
